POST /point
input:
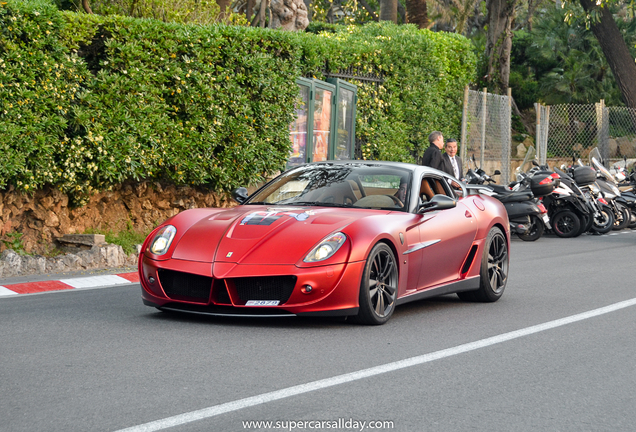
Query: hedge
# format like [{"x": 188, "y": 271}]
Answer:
[{"x": 88, "y": 102}]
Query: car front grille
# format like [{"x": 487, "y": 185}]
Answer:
[
  {"x": 265, "y": 288},
  {"x": 185, "y": 286}
]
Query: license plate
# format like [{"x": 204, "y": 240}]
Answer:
[
  {"x": 262, "y": 303},
  {"x": 546, "y": 219}
]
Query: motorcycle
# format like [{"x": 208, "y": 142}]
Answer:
[
  {"x": 567, "y": 209},
  {"x": 525, "y": 214},
  {"x": 609, "y": 187}
]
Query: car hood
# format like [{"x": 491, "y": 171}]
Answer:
[{"x": 262, "y": 234}]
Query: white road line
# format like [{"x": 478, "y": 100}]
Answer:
[
  {"x": 95, "y": 281},
  {"x": 4, "y": 291},
  {"x": 365, "y": 373}
]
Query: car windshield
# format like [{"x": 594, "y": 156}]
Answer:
[{"x": 339, "y": 185}]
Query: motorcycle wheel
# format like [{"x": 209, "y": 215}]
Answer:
[
  {"x": 535, "y": 231},
  {"x": 632, "y": 223},
  {"x": 604, "y": 222},
  {"x": 565, "y": 224},
  {"x": 586, "y": 224},
  {"x": 623, "y": 218}
]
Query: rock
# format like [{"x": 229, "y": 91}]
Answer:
[
  {"x": 521, "y": 151},
  {"x": 82, "y": 239},
  {"x": 33, "y": 265},
  {"x": 13, "y": 262},
  {"x": 112, "y": 256}
]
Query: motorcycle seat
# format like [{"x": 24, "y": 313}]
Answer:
[{"x": 515, "y": 196}]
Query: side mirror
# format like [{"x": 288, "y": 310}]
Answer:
[
  {"x": 240, "y": 195},
  {"x": 438, "y": 202},
  {"x": 497, "y": 172}
]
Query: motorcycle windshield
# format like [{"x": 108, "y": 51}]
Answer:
[
  {"x": 527, "y": 161},
  {"x": 596, "y": 162}
]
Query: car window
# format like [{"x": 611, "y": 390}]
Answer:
[
  {"x": 287, "y": 190},
  {"x": 456, "y": 188},
  {"x": 343, "y": 185}
]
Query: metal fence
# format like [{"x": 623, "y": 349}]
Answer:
[
  {"x": 486, "y": 123},
  {"x": 570, "y": 131}
]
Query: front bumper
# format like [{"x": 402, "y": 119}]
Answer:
[{"x": 230, "y": 289}]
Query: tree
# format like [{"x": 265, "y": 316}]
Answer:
[
  {"x": 389, "y": 10},
  {"x": 417, "y": 13},
  {"x": 614, "y": 47},
  {"x": 499, "y": 43}
]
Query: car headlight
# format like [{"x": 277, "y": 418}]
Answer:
[
  {"x": 326, "y": 248},
  {"x": 161, "y": 243}
]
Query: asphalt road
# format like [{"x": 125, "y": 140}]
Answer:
[{"x": 98, "y": 360}]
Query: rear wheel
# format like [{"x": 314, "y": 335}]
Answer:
[
  {"x": 566, "y": 224},
  {"x": 378, "y": 288},
  {"x": 535, "y": 231},
  {"x": 493, "y": 274}
]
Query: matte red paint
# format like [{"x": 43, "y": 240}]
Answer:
[{"x": 224, "y": 244}]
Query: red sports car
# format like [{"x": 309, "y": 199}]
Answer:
[{"x": 337, "y": 238}]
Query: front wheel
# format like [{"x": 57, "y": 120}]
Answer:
[
  {"x": 622, "y": 218},
  {"x": 493, "y": 273},
  {"x": 378, "y": 288},
  {"x": 604, "y": 221},
  {"x": 565, "y": 224},
  {"x": 536, "y": 229}
]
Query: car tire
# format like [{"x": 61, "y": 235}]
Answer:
[
  {"x": 536, "y": 229},
  {"x": 378, "y": 287},
  {"x": 493, "y": 273},
  {"x": 565, "y": 224}
]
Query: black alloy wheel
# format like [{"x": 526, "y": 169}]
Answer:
[
  {"x": 379, "y": 285},
  {"x": 565, "y": 224},
  {"x": 493, "y": 274},
  {"x": 536, "y": 229}
]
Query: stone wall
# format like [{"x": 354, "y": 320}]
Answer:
[{"x": 45, "y": 215}]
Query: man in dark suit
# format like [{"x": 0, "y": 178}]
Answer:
[
  {"x": 433, "y": 155},
  {"x": 450, "y": 162}
]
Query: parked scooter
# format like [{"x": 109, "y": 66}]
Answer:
[
  {"x": 525, "y": 214},
  {"x": 627, "y": 186},
  {"x": 609, "y": 187}
]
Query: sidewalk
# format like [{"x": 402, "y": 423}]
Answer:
[{"x": 58, "y": 282}]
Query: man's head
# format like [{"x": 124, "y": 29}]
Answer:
[
  {"x": 437, "y": 139},
  {"x": 451, "y": 147}
]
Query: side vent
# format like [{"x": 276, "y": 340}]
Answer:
[{"x": 469, "y": 260}]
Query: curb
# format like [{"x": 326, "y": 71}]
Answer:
[{"x": 67, "y": 284}]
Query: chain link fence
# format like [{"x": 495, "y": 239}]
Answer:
[
  {"x": 486, "y": 123},
  {"x": 571, "y": 131}
]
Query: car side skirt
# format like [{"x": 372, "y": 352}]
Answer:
[{"x": 468, "y": 284}]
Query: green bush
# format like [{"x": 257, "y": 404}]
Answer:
[{"x": 87, "y": 101}]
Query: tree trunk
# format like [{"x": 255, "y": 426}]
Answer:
[
  {"x": 249, "y": 10},
  {"x": 388, "y": 10},
  {"x": 87, "y": 7},
  {"x": 224, "y": 5},
  {"x": 499, "y": 43},
  {"x": 616, "y": 52},
  {"x": 417, "y": 13}
]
